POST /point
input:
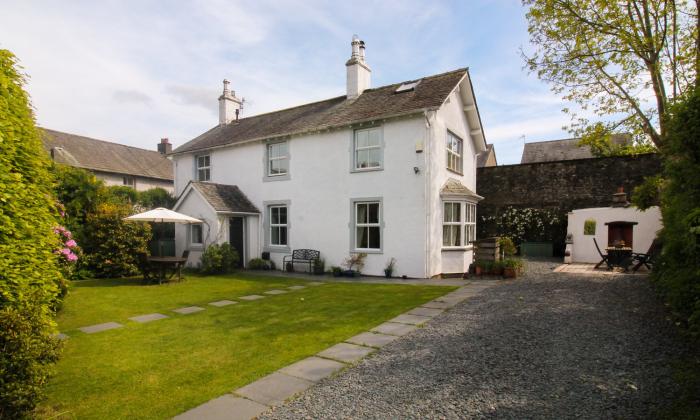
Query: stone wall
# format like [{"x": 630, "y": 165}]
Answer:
[{"x": 561, "y": 186}]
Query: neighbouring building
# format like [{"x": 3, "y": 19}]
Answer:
[
  {"x": 487, "y": 158},
  {"x": 114, "y": 163},
  {"x": 387, "y": 171},
  {"x": 566, "y": 149}
]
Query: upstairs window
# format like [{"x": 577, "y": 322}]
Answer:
[
  {"x": 277, "y": 159},
  {"x": 454, "y": 153},
  {"x": 203, "y": 169},
  {"x": 278, "y": 225},
  {"x": 367, "y": 147}
]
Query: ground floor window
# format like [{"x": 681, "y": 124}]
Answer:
[
  {"x": 278, "y": 225},
  {"x": 368, "y": 229},
  {"x": 458, "y": 224},
  {"x": 196, "y": 236}
]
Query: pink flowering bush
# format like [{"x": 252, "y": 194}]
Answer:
[{"x": 68, "y": 253}]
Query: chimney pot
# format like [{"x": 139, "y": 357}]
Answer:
[
  {"x": 358, "y": 72},
  {"x": 229, "y": 105},
  {"x": 164, "y": 147}
]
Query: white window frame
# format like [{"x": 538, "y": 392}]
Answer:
[
  {"x": 455, "y": 150},
  {"x": 367, "y": 225},
  {"x": 129, "y": 181},
  {"x": 356, "y": 149},
  {"x": 205, "y": 168},
  {"x": 269, "y": 159},
  {"x": 457, "y": 225},
  {"x": 279, "y": 226},
  {"x": 466, "y": 224},
  {"x": 192, "y": 236}
]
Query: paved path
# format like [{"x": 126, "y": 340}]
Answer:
[{"x": 553, "y": 345}]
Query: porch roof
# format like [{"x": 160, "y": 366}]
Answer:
[{"x": 225, "y": 198}]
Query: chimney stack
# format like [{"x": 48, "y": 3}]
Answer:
[
  {"x": 164, "y": 147},
  {"x": 358, "y": 72},
  {"x": 229, "y": 105},
  {"x": 620, "y": 198}
]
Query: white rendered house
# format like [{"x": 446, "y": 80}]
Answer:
[{"x": 388, "y": 171}]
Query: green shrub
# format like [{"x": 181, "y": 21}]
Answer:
[
  {"x": 29, "y": 270},
  {"x": 259, "y": 264},
  {"x": 319, "y": 266},
  {"x": 156, "y": 197},
  {"x": 507, "y": 246},
  {"x": 219, "y": 259},
  {"x": 589, "y": 227},
  {"x": 111, "y": 245}
]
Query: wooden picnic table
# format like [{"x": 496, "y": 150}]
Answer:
[
  {"x": 165, "y": 263},
  {"x": 619, "y": 256}
]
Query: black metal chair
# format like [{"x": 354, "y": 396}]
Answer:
[
  {"x": 649, "y": 258},
  {"x": 604, "y": 257}
]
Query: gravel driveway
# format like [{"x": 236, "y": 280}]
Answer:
[{"x": 550, "y": 345}]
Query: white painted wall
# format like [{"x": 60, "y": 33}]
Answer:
[
  {"x": 212, "y": 228},
  {"x": 142, "y": 184},
  {"x": 320, "y": 188},
  {"x": 449, "y": 117},
  {"x": 583, "y": 250}
]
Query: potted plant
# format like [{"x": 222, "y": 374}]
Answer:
[
  {"x": 337, "y": 271},
  {"x": 354, "y": 264},
  {"x": 319, "y": 266},
  {"x": 512, "y": 267},
  {"x": 497, "y": 268},
  {"x": 389, "y": 270}
]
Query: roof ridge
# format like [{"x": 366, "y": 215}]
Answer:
[
  {"x": 551, "y": 141},
  {"x": 100, "y": 140}
]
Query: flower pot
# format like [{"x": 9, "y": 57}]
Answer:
[
  {"x": 479, "y": 271},
  {"x": 509, "y": 272},
  {"x": 387, "y": 273}
]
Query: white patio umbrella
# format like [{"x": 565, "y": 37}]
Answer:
[{"x": 162, "y": 215}]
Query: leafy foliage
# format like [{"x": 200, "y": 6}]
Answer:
[
  {"x": 527, "y": 224},
  {"x": 111, "y": 245},
  {"x": 606, "y": 55},
  {"x": 29, "y": 271},
  {"x": 260, "y": 264},
  {"x": 219, "y": 259},
  {"x": 678, "y": 272},
  {"x": 156, "y": 197},
  {"x": 589, "y": 227},
  {"x": 648, "y": 193}
]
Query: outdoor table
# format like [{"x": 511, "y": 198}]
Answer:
[
  {"x": 165, "y": 263},
  {"x": 619, "y": 256}
]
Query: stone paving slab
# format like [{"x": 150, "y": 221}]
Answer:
[
  {"x": 226, "y": 407},
  {"x": 372, "y": 339},
  {"x": 411, "y": 319},
  {"x": 296, "y": 287},
  {"x": 251, "y": 297},
  {"x": 220, "y": 303},
  {"x": 431, "y": 312},
  {"x": 437, "y": 304},
  {"x": 392, "y": 328},
  {"x": 274, "y": 389},
  {"x": 62, "y": 336},
  {"x": 148, "y": 317},
  {"x": 276, "y": 292},
  {"x": 345, "y": 352},
  {"x": 188, "y": 310},
  {"x": 91, "y": 329},
  {"x": 316, "y": 283},
  {"x": 313, "y": 368}
]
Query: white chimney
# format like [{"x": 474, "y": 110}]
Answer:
[
  {"x": 358, "y": 72},
  {"x": 229, "y": 106}
]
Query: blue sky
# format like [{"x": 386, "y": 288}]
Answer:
[{"x": 136, "y": 71}]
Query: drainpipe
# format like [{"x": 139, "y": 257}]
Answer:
[{"x": 427, "y": 199}]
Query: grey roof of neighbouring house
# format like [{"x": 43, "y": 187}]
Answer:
[
  {"x": 104, "y": 156},
  {"x": 225, "y": 198},
  {"x": 483, "y": 157},
  {"x": 566, "y": 149},
  {"x": 372, "y": 104}
]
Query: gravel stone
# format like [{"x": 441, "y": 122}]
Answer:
[{"x": 547, "y": 345}]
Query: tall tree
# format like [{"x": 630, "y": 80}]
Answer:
[{"x": 624, "y": 60}]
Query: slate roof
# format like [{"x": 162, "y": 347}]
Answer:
[
  {"x": 566, "y": 149},
  {"x": 225, "y": 198},
  {"x": 381, "y": 102},
  {"x": 483, "y": 157},
  {"x": 104, "y": 156},
  {"x": 454, "y": 187}
]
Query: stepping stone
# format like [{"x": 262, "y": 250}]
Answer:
[
  {"x": 313, "y": 368},
  {"x": 62, "y": 336},
  {"x": 296, "y": 287},
  {"x": 431, "y": 312},
  {"x": 372, "y": 339},
  {"x": 436, "y": 304},
  {"x": 220, "y": 303},
  {"x": 188, "y": 310},
  {"x": 251, "y": 297},
  {"x": 147, "y": 318},
  {"x": 274, "y": 389},
  {"x": 91, "y": 329},
  {"x": 392, "y": 328},
  {"x": 227, "y": 407},
  {"x": 347, "y": 353},
  {"x": 411, "y": 319},
  {"x": 276, "y": 292},
  {"x": 316, "y": 283}
]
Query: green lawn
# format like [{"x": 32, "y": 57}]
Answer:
[{"x": 165, "y": 367}]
